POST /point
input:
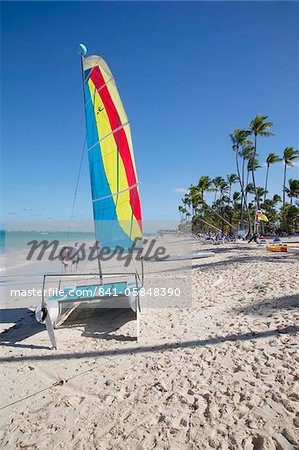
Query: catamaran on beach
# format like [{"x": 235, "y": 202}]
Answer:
[
  {"x": 213, "y": 364},
  {"x": 116, "y": 204},
  {"x": 115, "y": 197}
]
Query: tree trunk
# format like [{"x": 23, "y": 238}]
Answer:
[
  {"x": 242, "y": 199},
  {"x": 284, "y": 186},
  {"x": 253, "y": 176},
  {"x": 222, "y": 222},
  {"x": 230, "y": 221},
  {"x": 266, "y": 182},
  {"x": 284, "y": 194},
  {"x": 246, "y": 204},
  {"x": 243, "y": 194}
]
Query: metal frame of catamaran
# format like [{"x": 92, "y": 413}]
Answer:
[
  {"x": 111, "y": 182},
  {"x": 58, "y": 308}
]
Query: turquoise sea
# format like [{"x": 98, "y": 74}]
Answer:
[{"x": 18, "y": 240}]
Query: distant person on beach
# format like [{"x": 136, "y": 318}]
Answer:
[
  {"x": 254, "y": 238},
  {"x": 75, "y": 257},
  {"x": 218, "y": 237},
  {"x": 65, "y": 258}
]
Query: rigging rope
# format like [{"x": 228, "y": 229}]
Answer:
[
  {"x": 209, "y": 224},
  {"x": 76, "y": 190},
  {"x": 222, "y": 218}
]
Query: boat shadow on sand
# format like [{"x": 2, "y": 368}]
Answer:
[
  {"x": 101, "y": 323},
  {"x": 105, "y": 324},
  {"x": 21, "y": 325},
  {"x": 96, "y": 323}
]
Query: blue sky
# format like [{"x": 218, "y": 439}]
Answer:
[{"x": 188, "y": 74}]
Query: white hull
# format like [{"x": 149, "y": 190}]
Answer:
[{"x": 57, "y": 309}]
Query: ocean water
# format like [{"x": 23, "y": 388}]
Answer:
[
  {"x": 2, "y": 241},
  {"x": 15, "y": 246},
  {"x": 12, "y": 241}
]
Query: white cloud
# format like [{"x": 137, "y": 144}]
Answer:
[{"x": 180, "y": 190}]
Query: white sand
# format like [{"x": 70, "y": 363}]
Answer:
[{"x": 220, "y": 374}]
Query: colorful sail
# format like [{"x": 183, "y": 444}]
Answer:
[{"x": 114, "y": 182}]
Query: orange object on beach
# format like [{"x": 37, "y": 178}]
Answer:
[
  {"x": 280, "y": 248},
  {"x": 276, "y": 248}
]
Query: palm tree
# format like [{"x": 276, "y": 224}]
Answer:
[
  {"x": 246, "y": 153},
  {"x": 204, "y": 185},
  {"x": 229, "y": 207},
  {"x": 271, "y": 159},
  {"x": 291, "y": 217},
  {"x": 236, "y": 197},
  {"x": 260, "y": 192},
  {"x": 259, "y": 127},
  {"x": 231, "y": 179},
  {"x": 186, "y": 200},
  {"x": 276, "y": 199},
  {"x": 289, "y": 156},
  {"x": 187, "y": 214},
  {"x": 250, "y": 189},
  {"x": 252, "y": 166},
  {"x": 194, "y": 198},
  {"x": 224, "y": 189},
  {"x": 293, "y": 189},
  {"x": 238, "y": 138},
  {"x": 217, "y": 183},
  {"x": 181, "y": 212}
]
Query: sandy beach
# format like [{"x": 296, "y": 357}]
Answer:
[{"x": 220, "y": 373}]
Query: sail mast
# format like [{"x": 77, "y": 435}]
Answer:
[{"x": 82, "y": 50}]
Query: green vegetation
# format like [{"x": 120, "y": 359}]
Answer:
[{"x": 230, "y": 210}]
